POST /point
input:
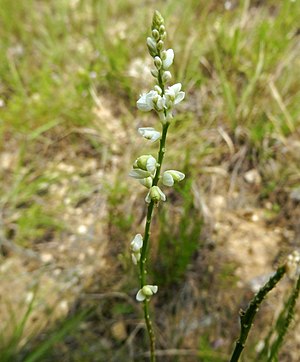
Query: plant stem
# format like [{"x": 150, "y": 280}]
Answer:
[
  {"x": 143, "y": 270},
  {"x": 288, "y": 314},
  {"x": 247, "y": 317},
  {"x": 150, "y": 330}
]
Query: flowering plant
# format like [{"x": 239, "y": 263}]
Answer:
[
  {"x": 162, "y": 99},
  {"x": 147, "y": 170}
]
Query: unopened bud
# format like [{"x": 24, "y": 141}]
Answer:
[
  {"x": 151, "y": 44},
  {"x": 166, "y": 77},
  {"x": 157, "y": 20},
  {"x": 147, "y": 182},
  {"x": 154, "y": 72},
  {"x": 155, "y": 194},
  {"x": 155, "y": 34},
  {"x": 162, "y": 29},
  {"x": 158, "y": 89},
  {"x": 160, "y": 45},
  {"x": 157, "y": 62}
]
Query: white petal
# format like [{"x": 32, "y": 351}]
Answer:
[
  {"x": 167, "y": 62},
  {"x": 177, "y": 175},
  {"x": 143, "y": 130},
  {"x": 179, "y": 97},
  {"x": 155, "y": 136},
  {"x": 137, "y": 243},
  {"x": 151, "y": 164},
  {"x": 149, "y": 133},
  {"x": 167, "y": 179},
  {"x": 146, "y": 182},
  {"x": 154, "y": 288},
  {"x": 148, "y": 198},
  {"x": 138, "y": 173},
  {"x": 170, "y": 92},
  {"x": 161, "y": 103},
  {"x": 151, "y": 43},
  {"x": 149, "y": 97},
  {"x": 140, "y": 296},
  {"x": 158, "y": 89},
  {"x": 176, "y": 88},
  {"x": 166, "y": 77},
  {"x": 143, "y": 104},
  {"x": 162, "y": 195}
]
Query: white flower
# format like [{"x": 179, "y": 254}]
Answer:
[
  {"x": 149, "y": 133},
  {"x": 145, "y": 102},
  {"x": 146, "y": 292},
  {"x": 136, "y": 246},
  {"x": 167, "y": 58},
  {"x": 171, "y": 176},
  {"x": 143, "y": 167},
  {"x": 146, "y": 163},
  {"x": 155, "y": 194},
  {"x": 174, "y": 95},
  {"x": 146, "y": 182}
]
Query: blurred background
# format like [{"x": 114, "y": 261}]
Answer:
[{"x": 70, "y": 74}]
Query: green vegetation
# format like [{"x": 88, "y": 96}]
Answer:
[{"x": 70, "y": 74}]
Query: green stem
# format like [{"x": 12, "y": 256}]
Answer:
[
  {"x": 288, "y": 315},
  {"x": 143, "y": 271},
  {"x": 247, "y": 317},
  {"x": 150, "y": 330}
]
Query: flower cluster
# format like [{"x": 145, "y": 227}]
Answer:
[
  {"x": 160, "y": 100},
  {"x": 146, "y": 168},
  {"x": 146, "y": 292},
  {"x": 136, "y": 246}
]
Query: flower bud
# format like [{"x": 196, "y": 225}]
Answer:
[
  {"x": 160, "y": 45},
  {"x": 158, "y": 89},
  {"x": 151, "y": 43},
  {"x": 157, "y": 20},
  {"x": 171, "y": 176},
  {"x": 154, "y": 72},
  {"x": 155, "y": 34},
  {"x": 157, "y": 62},
  {"x": 166, "y": 77},
  {"x": 135, "y": 247},
  {"x": 137, "y": 243},
  {"x": 147, "y": 182},
  {"x": 162, "y": 29},
  {"x": 167, "y": 58},
  {"x": 146, "y": 292},
  {"x": 146, "y": 163},
  {"x": 155, "y": 194}
]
